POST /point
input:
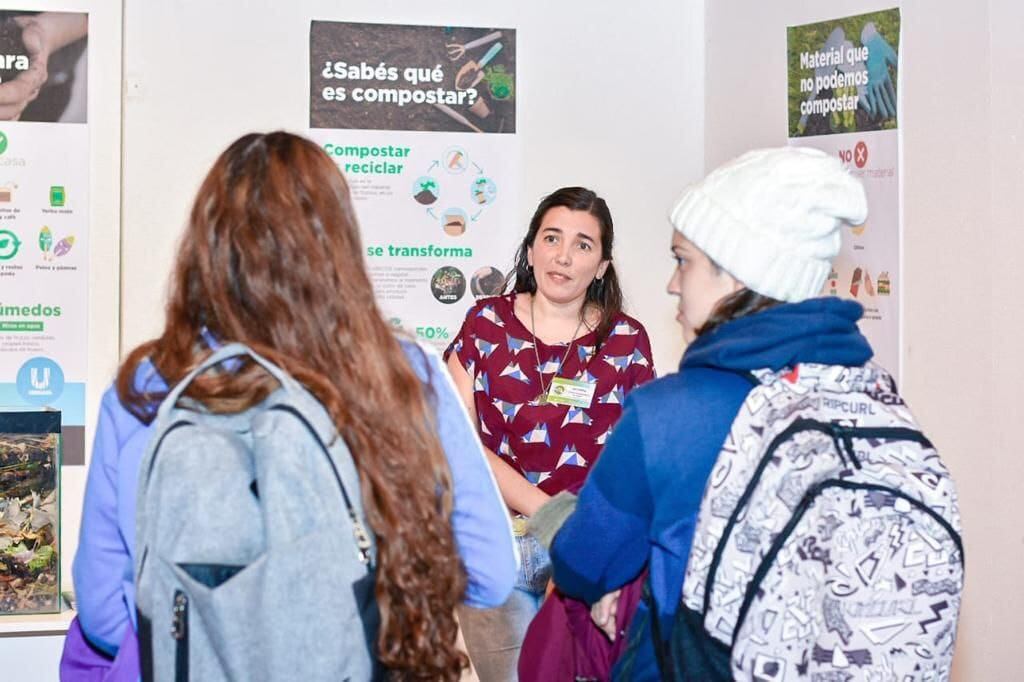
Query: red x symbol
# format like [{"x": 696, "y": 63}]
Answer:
[{"x": 860, "y": 154}]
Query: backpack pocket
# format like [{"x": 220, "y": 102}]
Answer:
[
  {"x": 211, "y": 575},
  {"x": 290, "y": 646}
]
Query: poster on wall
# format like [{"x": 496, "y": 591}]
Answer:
[
  {"x": 422, "y": 122},
  {"x": 44, "y": 217},
  {"x": 843, "y": 84}
]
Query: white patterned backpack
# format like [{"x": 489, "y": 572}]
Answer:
[{"x": 828, "y": 543}]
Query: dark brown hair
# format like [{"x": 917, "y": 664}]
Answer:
[
  {"x": 736, "y": 305},
  {"x": 604, "y": 293},
  {"x": 271, "y": 257}
]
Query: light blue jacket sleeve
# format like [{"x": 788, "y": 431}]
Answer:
[
  {"x": 102, "y": 554},
  {"x": 482, "y": 527}
]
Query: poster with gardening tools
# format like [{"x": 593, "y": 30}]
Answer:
[
  {"x": 843, "y": 85},
  {"x": 44, "y": 218},
  {"x": 422, "y": 121}
]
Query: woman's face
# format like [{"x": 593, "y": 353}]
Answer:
[
  {"x": 698, "y": 284},
  {"x": 566, "y": 254}
]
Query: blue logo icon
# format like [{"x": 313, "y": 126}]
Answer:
[{"x": 40, "y": 381}]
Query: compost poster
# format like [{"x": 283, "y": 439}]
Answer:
[
  {"x": 422, "y": 121},
  {"x": 44, "y": 216},
  {"x": 843, "y": 85}
]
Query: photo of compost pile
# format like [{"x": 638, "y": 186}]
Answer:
[
  {"x": 426, "y": 78},
  {"x": 29, "y": 562},
  {"x": 448, "y": 284}
]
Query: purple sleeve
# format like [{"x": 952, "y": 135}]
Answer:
[{"x": 102, "y": 556}]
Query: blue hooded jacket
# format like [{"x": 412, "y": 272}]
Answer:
[{"x": 644, "y": 493}]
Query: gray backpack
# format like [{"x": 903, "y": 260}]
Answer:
[{"x": 253, "y": 561}]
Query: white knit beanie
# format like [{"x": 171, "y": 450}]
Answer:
[{"x": 771, "y": 218}]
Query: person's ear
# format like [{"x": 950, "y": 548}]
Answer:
[{"x": 733, "y": 284}]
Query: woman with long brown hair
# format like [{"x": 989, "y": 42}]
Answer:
[{"x": 272, "y": 258}]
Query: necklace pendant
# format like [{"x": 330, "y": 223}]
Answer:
[{"x": 542, "y": 399}]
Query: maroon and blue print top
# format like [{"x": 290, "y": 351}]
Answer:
[{"x": 553, "y": 446}]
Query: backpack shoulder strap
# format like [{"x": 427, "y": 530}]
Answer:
[
  {"x": 222, "y": 354},
  {"x": 749, "y": 376},
  {"x": 312, "y": 419}
]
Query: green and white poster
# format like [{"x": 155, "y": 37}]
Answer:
[
  {"x": 843, "y": 99},
  {"x": 44, "y": 216},
  {"x": 422, "y": 121}
]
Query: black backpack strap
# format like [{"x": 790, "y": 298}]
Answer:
[
  {"x": 698, "y": 655},
  {"x": 747, "y": 375},
  {"x": 145, "y": 635},
  {"x": 660, "y": 645}
]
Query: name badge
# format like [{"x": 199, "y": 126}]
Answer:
[{"x": 571, "y": 392}]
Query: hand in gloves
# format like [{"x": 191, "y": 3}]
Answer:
[{"x": 878, "y": 97}]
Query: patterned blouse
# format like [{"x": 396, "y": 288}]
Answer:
[{"x": 551, "y": 445}]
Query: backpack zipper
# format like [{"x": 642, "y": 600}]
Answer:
[
  {"x": 179, "y": 631},
  {"x": 363, "y": 542},
  {"x": 842, "y": 438},
  {"x": 812, "y": 493}
]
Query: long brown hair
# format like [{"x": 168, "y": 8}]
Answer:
[
  {"x": 604, "y": 293},
  {"x": 271, "y": 257}
]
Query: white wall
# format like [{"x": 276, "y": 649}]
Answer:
[
  {"x": 989, "y": 460},
  {"x": 962, "y": 132},
  {"x": 607, "y": 98}
]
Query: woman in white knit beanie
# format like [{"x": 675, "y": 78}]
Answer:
[
  {"x": 753, "y": 244},
  {"x": 758, "y": 230}
]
